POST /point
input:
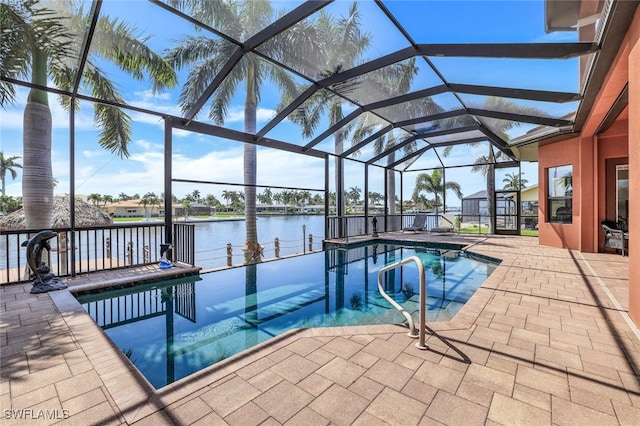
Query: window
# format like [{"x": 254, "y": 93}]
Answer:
[
  {"x": 560, "y": 194},
  {"x": 622, "y": 193}
]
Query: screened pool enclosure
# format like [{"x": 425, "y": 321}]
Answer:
[{"x": 324, "y": 97}]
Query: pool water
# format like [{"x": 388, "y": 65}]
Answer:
[{"x": 171, "y": 329}]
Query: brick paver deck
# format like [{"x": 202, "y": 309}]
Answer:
[{"x": 546, "y": 340}]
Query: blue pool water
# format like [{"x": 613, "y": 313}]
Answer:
[{"x": 174, "y": 328}]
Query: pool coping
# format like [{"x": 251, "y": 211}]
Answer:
[{"x": 135, "y": 397}]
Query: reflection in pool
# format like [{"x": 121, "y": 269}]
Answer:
[{"x": 174, "y": 328}]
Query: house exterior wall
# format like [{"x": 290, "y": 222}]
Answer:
[
  {"x": 589, "y": 154},
  {"x": 634, "y": 173},
  {"x": 566, "y": 235}
]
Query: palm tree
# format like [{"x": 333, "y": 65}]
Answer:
[
  {"x": 227, "y": 196},
  {"x": 40, "y": 41},
  {"x": 432, "y": 184},
  {"x": 342, "y": 43},
  {"x": 354, "y": 194},
  {"x": 212, "y": 202},
  {"x": 10, "y": 165},
  {"x": 514, "y": 181},
  {"x": 149, "y": 199},
  {"x": 239, "y": 20},
  {"x": 95, "y": 198}
]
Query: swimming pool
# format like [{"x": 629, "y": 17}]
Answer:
[{"x": 171, "y": 329}]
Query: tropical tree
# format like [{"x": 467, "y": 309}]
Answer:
[
  {"x": 8, "y": 164},
  {"x": 149, "y": 199},
  {"x": 342, "y": 43},
  {"x": 95, "y": 198},
  {"x": 9, "y": 204},
  {"x": 514, "y": 181},
  {"x": 212, "y": 202},
  {"x": 266, "y": 197},
  {"x": 123, "y": 196},
  {"x": 195, "y": 195},
  {"x": 239, "y": 20},
  {"x": 186, "y": 206},
  {"x": 44, "y": 42},
  {"x": 433, "y": 184},
  {"x": 227, "y": 196},
  {"x": 375, "y": 197},
  {"x": 354, "y": 194}
]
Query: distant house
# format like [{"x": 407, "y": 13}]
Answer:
[
  {"x": 474, "y": 207},
  {"x": 132, "y": 208}
]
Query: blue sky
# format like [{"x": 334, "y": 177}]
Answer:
[{"x": 207, "y": 158}]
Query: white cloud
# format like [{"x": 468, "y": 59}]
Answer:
[
  {"x": 235, "y": 114},
  {"x": 93, "y": 154}
]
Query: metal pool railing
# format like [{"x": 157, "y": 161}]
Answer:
[
  {"x": 421, "y": 344},
  {"x": 86, "y": 249}
]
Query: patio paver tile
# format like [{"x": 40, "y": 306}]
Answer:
[
  {"x": 366, "y": 388},
  {"x": 283, "y": 401},
  {"x": 420, "y": 391},
  {"x": 248, "y": 415},
  {"x": 343, "y": 347},
  {"x": 567, "y": 412},
  {"x": 450, "y": 409},
  {"x": 315, "y": 384},
  {"x": 510, "y": 411},
  {"x": 396, "y": 408},
  {"x": 389, "y": 374},
  {"x": 307, "y": 417},
  {"x": 230, "y": 396},
  {"x": 341, "y": 371},
  {"x": 339, "y": 405},
  {"x": 294, "y": 368},
  {"x": 265, "y": 380}
]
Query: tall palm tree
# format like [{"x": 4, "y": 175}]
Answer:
[
  {"x": 343, "y": 44},
  {"x": 239, "y": 20},
  {"x": 433, "y": 184},
  {"x": 44, "y": 42},
  {"x": 8, "y": 164}
]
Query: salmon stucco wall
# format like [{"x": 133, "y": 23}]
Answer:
[
  {"x": 634, "y": 174},
  {"x": 552, "y": 155}
]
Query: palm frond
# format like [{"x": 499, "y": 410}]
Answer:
[
  {"x": 127, "y": 48},
  {"x": 24, "y": 24},
  {"x": 114, "y": 122}
]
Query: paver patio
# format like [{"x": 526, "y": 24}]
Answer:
[{"x": 546, "y": 340}]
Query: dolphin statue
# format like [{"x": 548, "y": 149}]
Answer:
[{"x": 34, "y": 246}]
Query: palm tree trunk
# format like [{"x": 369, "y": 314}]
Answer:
[
  {"x": 37, "y": 178},
  {"x": 391, "y": 186},
  {"x": 491, "y": 192},
  {"x": 252, "y": 249}
]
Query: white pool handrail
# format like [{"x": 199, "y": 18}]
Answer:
[{"x": 423, "y": 297}]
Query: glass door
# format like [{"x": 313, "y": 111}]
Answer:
[{"x": 507, "y": 212}]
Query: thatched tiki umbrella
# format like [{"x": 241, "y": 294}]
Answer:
[{"x": 85, "y": 215}]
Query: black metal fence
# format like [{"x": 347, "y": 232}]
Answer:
[
  {"x": 84, "y": 250},
  {"x": 352, "y": 226}
]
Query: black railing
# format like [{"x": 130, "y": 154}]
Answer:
[
  {"x": 86, "y": 249},
  {"x": 184, "y": 243}
]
